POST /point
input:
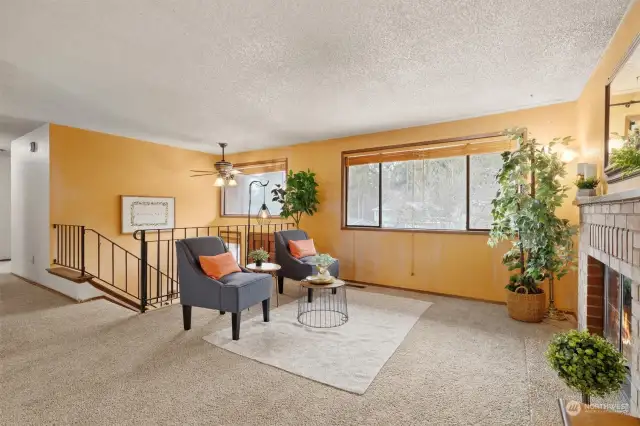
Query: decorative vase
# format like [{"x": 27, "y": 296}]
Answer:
[
  {"x": 526, "y": 307},
  {"x": 323, "y": 270},
  {"x": 258, "y": 263}
]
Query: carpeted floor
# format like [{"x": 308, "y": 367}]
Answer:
[{"x": 95, "y": 363}]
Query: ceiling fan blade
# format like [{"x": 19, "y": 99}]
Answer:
[
  {"x": 207, "y": 174},
  {"x": 235, "y": 172},
  {"x": 202, "y": 171}
]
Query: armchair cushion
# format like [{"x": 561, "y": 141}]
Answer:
[
  {"x": 302, "y": 248},
  {"x": 219, "y": 265}
]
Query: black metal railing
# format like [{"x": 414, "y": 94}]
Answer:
[
  {"x": 157, "y": 247},
  {"x": 69, "y": 246},
  {"x": 152, "y": 277}
]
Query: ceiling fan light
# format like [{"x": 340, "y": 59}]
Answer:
[
  {"x": 232, "y": 182},
  {"x": 219, "y": 181}
]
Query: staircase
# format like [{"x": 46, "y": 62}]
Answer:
[{"x": 148, "y": 281}]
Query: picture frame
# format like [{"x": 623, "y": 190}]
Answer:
[{"x": 143, "y": 212}]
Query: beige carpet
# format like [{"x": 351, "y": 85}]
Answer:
[
  {"x": 347, "y": 357},
  {"x": 95, "y": 363}
]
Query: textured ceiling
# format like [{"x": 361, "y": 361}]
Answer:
[{"x": 259, "y": 73}]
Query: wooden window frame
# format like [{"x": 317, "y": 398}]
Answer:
[
  {"x": 249, "y": 164},
  {"x": 345, "y": 185}
]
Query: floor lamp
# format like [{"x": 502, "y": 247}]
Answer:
[{"x": 263, "y": 217}]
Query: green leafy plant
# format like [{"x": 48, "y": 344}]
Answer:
[
  {"x": 524, "y": 212},
  {"x": 299, "y": 196},
  {"x": 627, "y": 158},
  {"x": 260, "y": 255},
  {"x": 323, "y": 259},
  {"x": 586, "y": 363},
  {"x": 589, "y": 183}
]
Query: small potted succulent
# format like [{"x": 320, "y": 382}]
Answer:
[
  {"x": 322, "y": 262},
  {"x": 586, "y": 187},
  {"x": 259, "y": 256},
  {"x": 587, "y": 363}
]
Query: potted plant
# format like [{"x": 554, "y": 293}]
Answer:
[
  {"x": 259, "y": 256},
  {"x": 524, "y": 214},
  {"x": 586, "y": 187},
  {"x": 627, "y": 158},
  {"x": 299, "y": 196},
  {"x": 587, "y": 363},
  {"x": 322, "y": 262}
]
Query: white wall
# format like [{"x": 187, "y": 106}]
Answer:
[
  {"x": 30, "y": 220},
  {"x": 5, "y": 206}
]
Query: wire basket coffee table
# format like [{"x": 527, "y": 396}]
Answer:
[{"x": 323, "y": 305}]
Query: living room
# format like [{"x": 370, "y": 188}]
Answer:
[{"x": 404, "y": 152}]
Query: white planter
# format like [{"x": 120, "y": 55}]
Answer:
[{"x": 586, "y": 192}]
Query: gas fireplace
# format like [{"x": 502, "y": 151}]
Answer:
[{"x": 617, "y": 312}]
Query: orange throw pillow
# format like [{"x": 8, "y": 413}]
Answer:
[
  {"x": 302, "y": 248},
  {"x": 218, "y": 266}
]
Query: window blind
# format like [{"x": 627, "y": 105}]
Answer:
[
  {"x": 432, "y": 150},
  {"x": 277, "y": 165}
]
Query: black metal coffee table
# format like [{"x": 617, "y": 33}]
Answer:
[{"x": 323, "y": 305}]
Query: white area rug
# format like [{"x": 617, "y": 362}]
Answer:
[{"x": 348, "y": 357}]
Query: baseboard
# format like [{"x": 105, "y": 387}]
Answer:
[{"x": 435, "y": 293}]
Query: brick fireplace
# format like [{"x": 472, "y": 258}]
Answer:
[{"x": 609, "y": 276}]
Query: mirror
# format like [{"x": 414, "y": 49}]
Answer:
[{"x": 623, "y": 102}]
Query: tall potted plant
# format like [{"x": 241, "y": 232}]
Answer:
[
  {"x": 299, "y": 196},
  {"x": 524, "y": 213}
]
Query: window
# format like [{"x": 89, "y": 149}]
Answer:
[
  {"x": 235, "y": 199},
  {"x": 430, "y": 186}
]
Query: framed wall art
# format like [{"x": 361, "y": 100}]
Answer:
[{"x": 147, "y": 213}]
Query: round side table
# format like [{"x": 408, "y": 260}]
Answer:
[
  {"x": 267, "y": 268},
  {"x": 323, "y": 305}
]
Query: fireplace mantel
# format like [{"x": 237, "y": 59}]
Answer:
[{"x": 617, "y": 197}]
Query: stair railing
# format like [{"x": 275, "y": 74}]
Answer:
[{"x": 156, "y": 271}]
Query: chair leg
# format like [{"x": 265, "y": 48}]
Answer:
[
  {"x": 309, "y": 295},
  {"x": 223, "y": 312},
  {"x": 265, "y": 309},
  {"x": 186, "y": 316},
  {"x": 235, "y": 325},
  {"x": 280, "y": 284}
]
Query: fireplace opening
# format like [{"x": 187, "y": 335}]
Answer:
[{"x": 617, "y": 317}]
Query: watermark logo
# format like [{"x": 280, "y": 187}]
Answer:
[{"x": 573, "y": 408}]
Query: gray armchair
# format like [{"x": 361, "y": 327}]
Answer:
[
  {"x": 233, "y": 293},
  {"x": 292, "y": 268}
]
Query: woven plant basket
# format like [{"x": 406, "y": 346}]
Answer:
[{"x": 526, "y": 307}]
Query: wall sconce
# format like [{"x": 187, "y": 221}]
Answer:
[{"x": 568, "y": 155}]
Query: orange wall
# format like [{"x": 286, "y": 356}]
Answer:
[
  {"x": 457, "y": 264},
  {"x": 91, "y": 170}
]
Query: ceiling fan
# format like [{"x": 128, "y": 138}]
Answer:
[{"x": 223, "y": 169}]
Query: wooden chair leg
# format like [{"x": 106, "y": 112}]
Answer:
[
  {"x": 280, "y": 284},
  {"x": 235, "y": 325},
  {"x": 186, "y": 316},
  {"x": 265, "y": 309}
]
